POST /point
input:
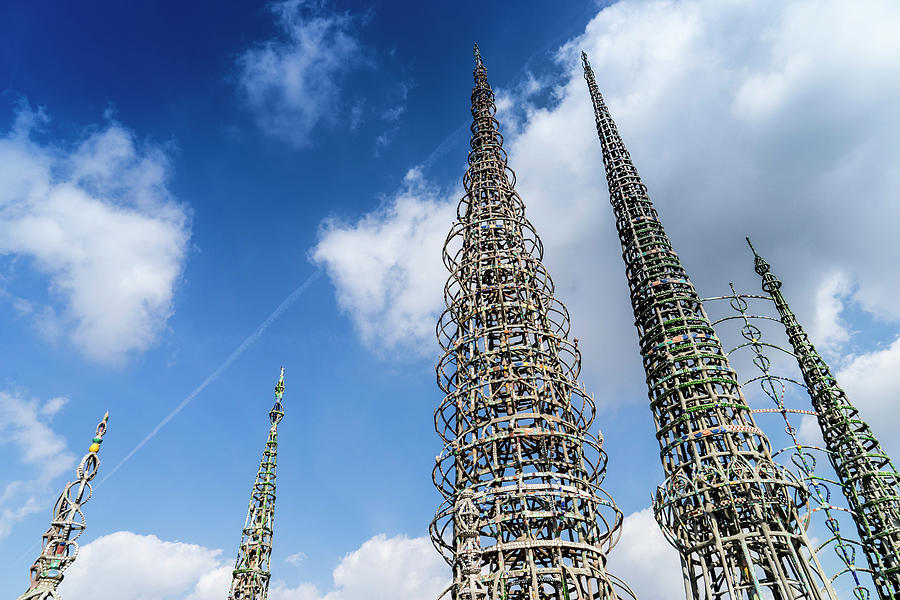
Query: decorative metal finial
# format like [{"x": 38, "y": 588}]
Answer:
[
  {"x": 98, "y": 438},
  {"x": 277, "y": 412},
  {"x": 478, "y": 56},
  {"x": 759, "y": 264}
]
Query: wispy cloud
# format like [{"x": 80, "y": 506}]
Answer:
[
  {"x": 24, "y": 424},
  {"x": 291, "y": 83},
  {"x": 97, "y": 219}
]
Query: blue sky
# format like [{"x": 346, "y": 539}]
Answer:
[{"x": 172, "y": 173}]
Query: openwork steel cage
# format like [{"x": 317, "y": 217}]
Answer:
[
  {"x": 868, "y": 478},
  {"x": 778, "y": 399},
  {"x": 250, "y": 578},
  {"x": 727, "y": 507},
  {"x": 60, "y": 542},
  {"x": 524, "y": 516}
]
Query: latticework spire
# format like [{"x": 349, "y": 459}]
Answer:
[
  {"x": 725, "y": 505},
  {"x": 520, "y": 472},
  {"x": 869, "y": 479},
  {"x": 60, "y": 547},
  {"x": 250, "y": 578}
]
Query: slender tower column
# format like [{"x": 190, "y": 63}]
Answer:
[
  {"x": 250, "y": 578},
  {"x": 520, "y": 471},
  {"x": 60, "y": 547},
  {"x": 725, "y": 505},
  {"x": 869, "y": 479}
]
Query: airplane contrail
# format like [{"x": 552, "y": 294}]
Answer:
[{"x": 220, "y": 369}]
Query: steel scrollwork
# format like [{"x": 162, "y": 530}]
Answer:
[
  {"x": 868, "y": 478},
  {"x": 60, "y": 545}
]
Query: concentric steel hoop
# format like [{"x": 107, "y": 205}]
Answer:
[
  {"x": 524, "y": 516},
  {"x": 731, "y": 512},
  {"x": 799, "y": 457}
]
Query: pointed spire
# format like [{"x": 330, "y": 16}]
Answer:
[
  {"x": 709, "y": 441},
  {"x": 524, "y": 515},
  {"x": 250, "y": 578},
  {"x": 277, "y": 412},
  {"x": 59, "y": 542},
  {"x": 869, "y": 480}
]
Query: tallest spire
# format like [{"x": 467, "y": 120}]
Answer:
[
  {"x": 870, "y": 482},
  {"x": 725, "y": 505},
  {"x": 524, "y": 516}
]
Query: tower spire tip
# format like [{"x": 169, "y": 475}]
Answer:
[
  {"x": 749, "y": 243},
  {"x": 477, "y": 53}
]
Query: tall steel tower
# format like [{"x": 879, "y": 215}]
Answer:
[
  {"x": 250, "y": 578},
  {"x": 725, "y": 505},
  {"x": 520, "y": 472},
  {"x": 869, "y": 479},
  {"x": 60, "y": 547}
]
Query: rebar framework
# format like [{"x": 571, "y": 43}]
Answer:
[
  {"x": 60, "y": 546},
  {"x": 800, "y": 456},
  {"x": 725, "y": 505},
  {"x": 520, "y": 471},
  {"x": 250, "y": 578},
  {"x": 869, "y": 480}
]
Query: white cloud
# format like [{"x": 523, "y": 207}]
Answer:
[
  {"x": 385, "y": 568},
  {"x": 126, "y": 566},
  {"x": 870, "y": 383},
  {"x": 98, "y": 220},
  {"x": 759, "y": 118},
  {"x": 296, "y": 558},
  {"x": 386, "y": 267},
  {"x": 829, "y": 330},
  {"x": 291, "y": 83},
  {"x": 643, "y": 544},
  {"x": 24, "y": 424}
]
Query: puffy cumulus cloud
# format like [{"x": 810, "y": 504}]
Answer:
[
  {"x": 676, "y": 76},
  {"x": 643, "y": 544},
  {"x": 386, "y": 267},
  {"x": 384, "y": 568},
  {"x": 126, "y": 566},
  {"x": 291, "y": 82},
  {"x": 770, "y": 119},
  {"x": 98, "y": 220},
  {"x": 24, "y": 425}
]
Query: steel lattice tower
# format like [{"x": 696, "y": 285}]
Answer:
[
  {"x": 60, "y": 547},
  {"x": 250, "y": 578},
  {"x": 869, "y": 480},
  {"x": 520, "y": 472},
  {"x": 725, "y": 505}
]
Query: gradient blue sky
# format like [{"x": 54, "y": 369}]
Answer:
[{"x": 172, "y": 172}]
